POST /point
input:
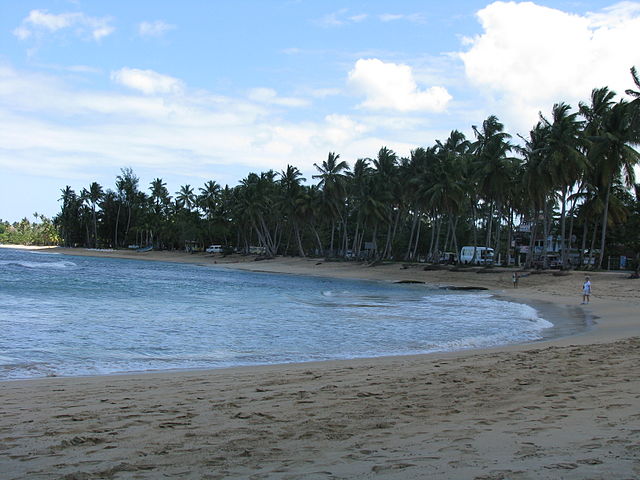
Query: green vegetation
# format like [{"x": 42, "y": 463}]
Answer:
[
  {"x": 28, "y": 233},
  {"x": 570, "y": 179}
]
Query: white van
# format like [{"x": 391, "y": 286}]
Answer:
[
  {"x": 214, "y": 249},
  {"x": 484, "y": 255}
]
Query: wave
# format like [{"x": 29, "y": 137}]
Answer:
[{"x": 36, "y": 265}]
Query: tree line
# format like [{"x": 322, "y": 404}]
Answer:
[{"x": 572, "y": 178}]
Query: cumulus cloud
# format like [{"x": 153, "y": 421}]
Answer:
[
  {"x": 156, "y": 28},
  {"x": 391, "y": 86},
  {"x": 529, "y": 56},
  {"x": 40, "y": 22},
  {"x": 147, "y": 81}
]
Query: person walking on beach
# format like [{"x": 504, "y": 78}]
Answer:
[
  {"x": 515, "y": 279},
  {"x": 586, "y": 290}
]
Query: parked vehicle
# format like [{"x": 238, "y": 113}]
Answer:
[
  {"x": 483, "y": 255},
  {"x": 214, "y": 249},
  {"x": 448, "y": 257}
]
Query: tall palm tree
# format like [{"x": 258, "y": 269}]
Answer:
[
  {"x": 291, "y": 200},
  {"x": 128, "y": 195},
  {"x": 209, "y": 198},
  {"x": 387, "y": 191},
  {"x": 490, "y": 154},
  {"x": 635, "y": 104},
  {"x": 68, "y": 214},
  {"x": 94, "y": 195},
  {"x": 333, "y": 185},
  {"x": 186, "y": 198},
  {"x": 565, "y": 159},
  {"x": 614, "y": 157}
]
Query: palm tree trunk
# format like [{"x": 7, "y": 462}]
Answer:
[
  {"x": 489, "y": 225},
  {"x": 545, "y": 228},
  {"x": 355, "y": 237},
  {"x": 447, "y": 235},
  {"x": 532, "y": 241},
  {"x": 333, "y": 229},
  {"x": 563, "y": 231},
  {"x": 509, "y": 232},
  {"x": 474, "y": 227},
  {"x": 95, "y": 226},
  {"x": 317, "y": 237},
  {"x": 115, "y": 240},
  {"x": 298, "y": 237},
  {"x": 436, "y": 251},
  {"x": 453, "y": 231},
  {"x": 584, "y": 242},
  {"x": 498, "y": 229},
  {"x": 593, "y": 243},
  {"x": 605, "y": 219},
  {"x": 414, "y": 222},
  {"x": 433, "y": 238},
  {"x": 417, "y": 242}
]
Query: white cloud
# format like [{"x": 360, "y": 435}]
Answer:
[
  {"x": 270, "y": 96},
  {"x": 40, "y": 22},
  {"x": 530, "y": 56},
  {"x": 154, "y": 29},
  {"x": 56, "y": 127},
  {"x": 391, "y": 86},
  {"x": 147, "y": 81},
  {"x": 392, "y": 17},
  {"x": 341, "y": 17}
]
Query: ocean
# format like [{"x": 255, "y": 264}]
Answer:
[{"x": 65, "y": 315}]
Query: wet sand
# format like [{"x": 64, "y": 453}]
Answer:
[{"x": 562, "y": 408}]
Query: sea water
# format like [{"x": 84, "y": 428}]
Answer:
[{"x": 71, "y": 316}]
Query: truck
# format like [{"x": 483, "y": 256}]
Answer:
[{"x": 483, "y": 255}]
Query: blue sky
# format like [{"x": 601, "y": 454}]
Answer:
[{"x": 193, "y": 91}]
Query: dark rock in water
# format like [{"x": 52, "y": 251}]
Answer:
[
  {"x": 453, "y": 287},
  {"x": 408, "y": 281}
]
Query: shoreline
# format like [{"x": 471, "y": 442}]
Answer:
[{"x": 560, "y": 408}]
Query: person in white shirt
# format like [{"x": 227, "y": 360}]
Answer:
[{"x": 586, "y": 290}]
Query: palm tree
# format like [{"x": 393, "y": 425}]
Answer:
[
  {"x": 68, "y": 214},
  {"x": 128, "y": 195},
  {"x": 186, "y": 198},
  {"x": 209, "y": 198},
  {"x": 387, "y": 192},
  {"x": 333, "y": 185},
  {"x": 490, "y": 155},
  {"x": 613, "y": 157},
  {"x": 562, "y": 152},
  {"x": 291, "y": 201},
  {"x": 635, "y": 104},
  {"x": 94, "y": 195}
]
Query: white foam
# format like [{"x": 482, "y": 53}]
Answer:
[{"x": 26, "y": 264}]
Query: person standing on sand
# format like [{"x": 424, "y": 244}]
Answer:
[
  {"x": 586, "y": 290},
  {"x": 515, "y": 279}
]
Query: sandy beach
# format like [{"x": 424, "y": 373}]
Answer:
[{"x": 562, "y": 408}]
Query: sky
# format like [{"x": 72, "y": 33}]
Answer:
[{"x": 202, "y": 90}]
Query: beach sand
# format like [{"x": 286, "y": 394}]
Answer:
[{"x": 563, "y": 408}]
